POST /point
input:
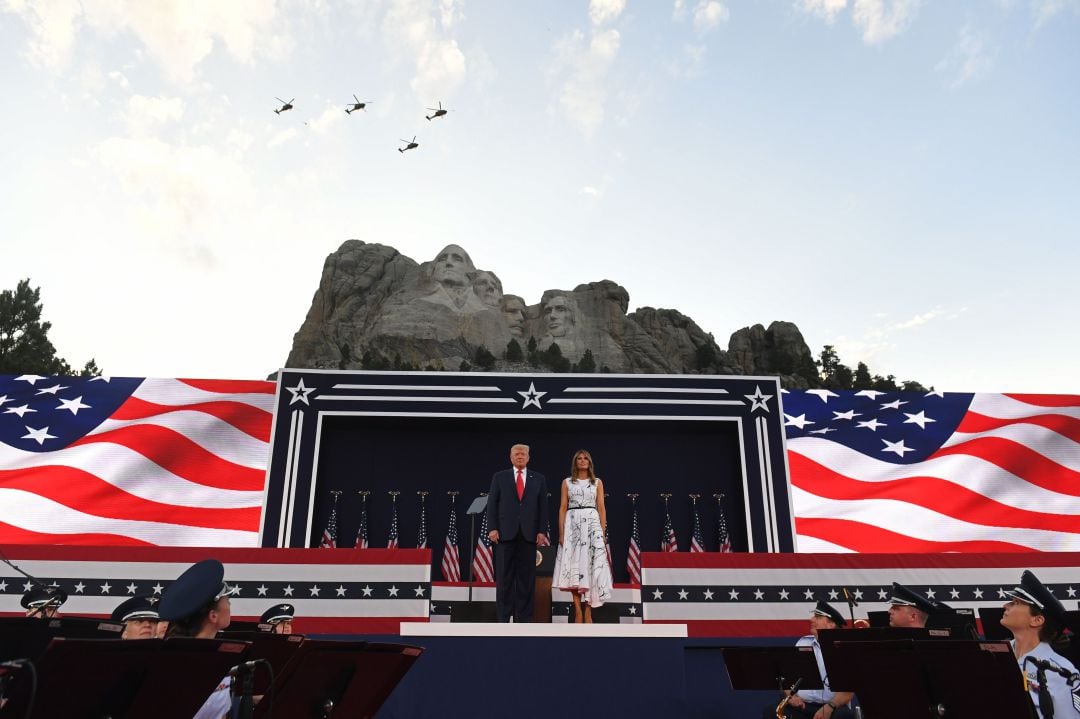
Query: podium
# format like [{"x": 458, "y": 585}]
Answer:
[{"x": 545, "y": 569}]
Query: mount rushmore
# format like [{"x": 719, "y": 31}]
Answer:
[{"x": 376, "y": 308}]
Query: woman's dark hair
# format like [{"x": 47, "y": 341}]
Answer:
[
  {"x": 573, "y": 465},
  {"x": 190, "y": 626}
]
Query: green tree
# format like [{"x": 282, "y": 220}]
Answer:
[
  {"x": 24, "y": 338},
  {"x": 885, "y": 384},
  {"x": 553, "y": 359},
  {"x": 484, "y": 359},
  {"x": 863, "y": 380},
  {"x": 514, "y": 352},
  {"x": 587, "y": 363},
  {"x": 706, "y": 356},
  {"x": 465, "y": 366},
  {"x": 834, "y": 374}
]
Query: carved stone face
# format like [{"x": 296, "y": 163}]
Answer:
[
  {"x": 558, "y": 315},
  {"x": 451, "y": 266},
  {"x": 487, "y": 288},
  {"x": 514, "y": 311}
]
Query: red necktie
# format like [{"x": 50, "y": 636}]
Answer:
[{"x": 520, "y": 485}]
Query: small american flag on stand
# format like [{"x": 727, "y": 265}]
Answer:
[
  {"x": 607, "y": 544},
  {"x": 451, "y": 560},
  {"x": 329, "y": 535},
  {"x": 697, "y": 540},
  {"x": 633, "y": 554},
  {"x": 392, "y": 543},
  {"x": 421, "y": 537},
  {"x": 723, "y": 536},
  {"x": 483, "y": 568},
  {"x": 361, "y": 533},
  {"x": 668, "y": 541}
]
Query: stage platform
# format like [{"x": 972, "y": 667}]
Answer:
[
  {"x": 579, "y": 631},
  {"x": 472, "y": 670}
]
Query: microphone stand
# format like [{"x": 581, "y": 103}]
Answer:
[
  {"x": 40, "y": 611},
  {"x": 1046, "y": 702},
  {"x": 244, "y": 675},
  {"x": 851, "y": 603}
]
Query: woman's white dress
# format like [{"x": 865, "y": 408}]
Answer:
[{"x": 581, "y": 562}]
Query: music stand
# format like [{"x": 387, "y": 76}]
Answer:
[
  {"x": 771, "y": 667},
  {"x": 959, "y": 622},
  {"x": 79, "y": 677},
  {"x": 182, "y": 674},
  {"x": 338, "y": 679},
  {"x": 28, "y": 637},
  {"x": 878, "y": 619},
  {"x": 277, "y": 649}
]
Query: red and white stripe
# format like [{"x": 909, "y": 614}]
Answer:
[
  {"x": 633, "y": 561},
  {"x": 483, "y": 566},
  {"x": 451, "y": 563},
  {"x": 1008, "y": 480},
  {"x": 180, "y": 463}
]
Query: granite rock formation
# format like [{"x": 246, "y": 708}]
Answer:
[{"x": 376, "y": 308}]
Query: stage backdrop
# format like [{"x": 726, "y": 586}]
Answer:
[{"x": 169, "y": 462}]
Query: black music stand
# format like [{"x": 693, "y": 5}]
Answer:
[
  {"x": 27, "y": 637},
  {"x": 123, "y": 679},
  {"x": 771, "y": 667},
  {"x": 328, "y": 679},
  {"x": 959, "y": 679},
  {"x": 960, "y": 622},
  {"x": 276, "y": 649}
]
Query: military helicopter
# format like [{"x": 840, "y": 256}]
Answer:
[
  {"x": 409, "y": 145},
  {"x": 354, "y": 106},
  {"x": 436, "y": 113},
  {"x": 284, "y": 105}
]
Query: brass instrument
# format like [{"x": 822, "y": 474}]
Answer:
[{"x": 787, "y": 698}]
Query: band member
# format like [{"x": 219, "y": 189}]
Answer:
[
  {"x": 197, "y": 604},
  {"x": 817, "y": 703},
  {"x": 908, "y": 608},
  {"x": 139, "y": 615},
  {"x": 1036, "y": 619},
  {"x": 277, "y": 619},
  {"x": 44, "y": 602}
]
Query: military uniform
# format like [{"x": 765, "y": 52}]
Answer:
[{"x": 1064, "y": 693}]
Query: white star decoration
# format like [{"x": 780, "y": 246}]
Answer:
[
  {"x": 683, "y": 594},
  {"x": 262, "y": 589},
  {"x": 38, "y": 435},
  {"x": 733, "y": 594},
  {"x": 51, "y": 390},
  {"x": 393, "y": 591},
  {"x": 897, "y": 447},
  {"x": 708, "y": 594},
  {"x": 288, "y": 590},
  {"x": 758, "y": 400},
  {"x": 314, "y": 590},
  {"x": 367, "y": 591},
  {"x": 871, "y": 424},
  {"x": 340, "y": 590},
  {"x": 73, "y": 404},
  {"x": 920, "y": 419},
  {"x": 801, "y": 421},
  {"x": 657, "y": 594},
  {"x": 79, "y": 588},
  {"x": 895, "y": 404},
  {"x": 532, "y": 397},
  {"x": 850, "y": 414},
  {"x": 131, "y": 588},
  {"x": 419, "y": 591},
  {"x": 758, "y": 594},
  {"x": 783, "y": 594},
  {"x": 871, "y": 393},
  {"x": 823, "y": 394},
  {"x": 19, "y": 410},
  {"x": 300, "y": 393},
  {"x": 31, "y": 378}
]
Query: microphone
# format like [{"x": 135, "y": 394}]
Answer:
[
  {"x": 243, "y": 667},
  {"x": 1048, "y": 666}
]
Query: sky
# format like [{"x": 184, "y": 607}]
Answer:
[{"x": 900, "y": 179}]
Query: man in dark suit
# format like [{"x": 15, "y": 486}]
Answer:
[{"x": 517, "y": 512}]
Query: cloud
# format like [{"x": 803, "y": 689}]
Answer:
[
  {"x": 878, "y": 341},
  {"x": 969, "y": 57},
  {"x": 331, "y": 117},
  {"x": 119, "y": 78},
  {"x": 603, "y": 11},
  {"x": 877, "y": 20},
  {"x": 827, "y": 10},
  {"x": 177, "y": 34},
  {"x": 176, "y": 194},
  {"x": 421, "y": 30},
  {"x": 281, "y": 137},
  {"x": 879, "y": 23},
  {"x": 1045, "y": 10},
  {"x": 147, "y": 113},
  {"x": 708, "y": 14},
  {"x": 917, "y": 320},
  {"x": 581, "y": 69}
]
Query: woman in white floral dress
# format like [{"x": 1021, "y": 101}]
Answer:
[{"x": 581, "y": 563}]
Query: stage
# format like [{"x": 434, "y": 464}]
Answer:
[{"x": 544, "y": 670}]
